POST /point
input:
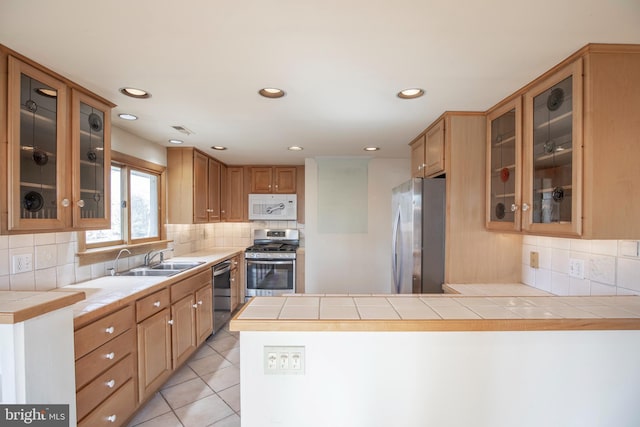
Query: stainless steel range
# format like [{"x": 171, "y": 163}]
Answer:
[{"x": 271, "y": 262}]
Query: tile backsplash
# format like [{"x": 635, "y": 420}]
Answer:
[
  {"x": 55, "y": 264},
  {"x": 609, "y": 269}
]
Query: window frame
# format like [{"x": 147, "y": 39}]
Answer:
[{"x": 128, "y": 163}]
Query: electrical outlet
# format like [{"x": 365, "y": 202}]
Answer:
[
  {"x": 534, "y": 259},
  {"x": 22, "y": 263},
  {"x": 284, "y": 360},
  {"x": 576, "y": 268}
]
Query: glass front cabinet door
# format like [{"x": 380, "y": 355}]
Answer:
[
  {"x": 552, "y": 156},
  {"x": 503, "y": 166},
  {"x": 37, "y": 149},
  {"x": 90, "y": 123},
  {"x": 59, "y": 144}
]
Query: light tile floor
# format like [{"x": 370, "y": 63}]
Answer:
[{"x": 204, "y": 392}]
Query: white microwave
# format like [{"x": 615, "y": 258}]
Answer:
[{"x": 273, "y": 207}]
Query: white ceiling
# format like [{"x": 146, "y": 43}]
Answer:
[{"x": 341, "y": 62}]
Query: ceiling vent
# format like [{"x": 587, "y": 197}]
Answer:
[{"x": 183, "y": 129}]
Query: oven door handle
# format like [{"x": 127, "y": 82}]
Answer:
[{"x": 250, "y": 261}]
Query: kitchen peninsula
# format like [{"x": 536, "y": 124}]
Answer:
[{"x": 415, "y": 360}]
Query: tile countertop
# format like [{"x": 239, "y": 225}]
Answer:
[
  {"x": 494, "y": 290},
  {"x": 18, "y": 306},
  {"x": 107, "y": 293},
  {"x": 437, "y": 313}
]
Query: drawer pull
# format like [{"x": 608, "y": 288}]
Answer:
[
  {"x": 110, "y": 356},
  {"x": 156, "y": 304},
  {"x": 111, "y": 383},
  {"x": 111, "y": 418},
  {"x": 170, "y": 322},
  {"x": 110, "y": 330}
]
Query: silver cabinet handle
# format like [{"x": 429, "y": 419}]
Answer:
[
  {"x": 199, "y": 302},
  {"x": 170, "y": 322},
  {"x": 110, "y": 356},
  {"x": 195, "y": 306},
  {"x": 80, "y": 203},
  {"x": 156, "y": 304},
  {"x": 525, "y": 207},
  {"x": 111, "y": 383},
  {"x": 514, "y": 207},
  {"x": 110, "y": 330},
  {"x": 112, "y": 418},
  {"x": 65, "y": 203}
]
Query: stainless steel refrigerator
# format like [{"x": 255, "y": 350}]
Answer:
[{"x": 418, "y": 236}]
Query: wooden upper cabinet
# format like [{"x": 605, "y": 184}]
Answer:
[
  {"x": 236, "y": 196},
  {"x": 434, "y": 149},
  {"x": 417, "y": 157},
  {"x": 552, "y": 155},
  {"x": 579, "y": 149},
  {"x": 504, "y": 171},
  {"x": 193, "y": 186},
  {"x": 91, "y": 143},
  {"x": 277, "y": 179},
  {"x": 58, "y": 156},
  {"x": 200, "y": 187},
  {"x": 213, "y": 191}
]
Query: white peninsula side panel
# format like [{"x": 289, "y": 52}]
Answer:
[
  {"x": 455, "y": 379},
  {"x": 37, "y": 361}
]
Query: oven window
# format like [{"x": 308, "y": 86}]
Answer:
[{"x": 273, "y": 275}]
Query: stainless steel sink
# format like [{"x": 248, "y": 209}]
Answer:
[
  {"x": 177, "y": 265},
  {"x": 149, "y": 272},
  {"x": 164, "y": 269}
]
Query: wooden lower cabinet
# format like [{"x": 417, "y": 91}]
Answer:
[
  {"x": 124, "y": 357},
  {"x": 106, "y": 369},
  {"x": 204, "y": 313},
  {"x": 115, "y": 410},
  {"x": 183, "y": 331},
  {"x": 154, "y": 353}
]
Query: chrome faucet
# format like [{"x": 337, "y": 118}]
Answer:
[
  {"x": 153, "y": 253},
  {"x": 114, "y": 270}
]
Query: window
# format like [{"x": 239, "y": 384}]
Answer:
[{"x": 135, "y": 204}]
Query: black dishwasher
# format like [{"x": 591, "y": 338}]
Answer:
[{"x": 221, "y": 294}]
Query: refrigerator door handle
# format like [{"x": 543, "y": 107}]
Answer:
[{"x": 397, "y": 253}]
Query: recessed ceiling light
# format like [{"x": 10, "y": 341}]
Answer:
[
  {"x": 45, "y": 91},
  {"x": 219, "y": 147},
  {"x": 135, "y": 93},
  {"x": 176, "y": 141},
  {"x": 410, "y": 93},
  {"x": 271, "y": 92},
  {"x": 371, "y": 148},
  {"x": 295, "y": 148},
  {"x": 127, "y": 116}
]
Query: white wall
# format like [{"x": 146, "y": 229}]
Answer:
[
  {"x": 133, "y": 145},
  {"x": 609, "y": 270},
  {"x": 355, "y": 263},
  {"x": 452, "y": 379}
]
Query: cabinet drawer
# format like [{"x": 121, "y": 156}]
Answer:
[
  {"x": 190, "y": 285},
  {"x": 103, "y": 358},
  {"x": 151, "y": 304},
  {"x": 102, "y": 330},
  {"x": 115, "y": 410},
  {"x": 104, "y": 386}
]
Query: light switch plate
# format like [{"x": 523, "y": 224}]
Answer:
[
  {"x": 576, "y": 268},
  {"x": 284, "y": 360}
]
